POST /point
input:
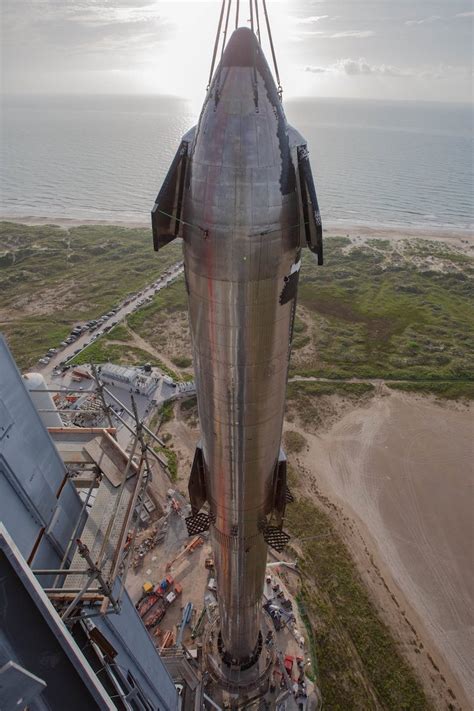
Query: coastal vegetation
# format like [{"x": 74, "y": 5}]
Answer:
[
  {"x": 52, "y": 277},
  {"x": 356, "y": 661},
  {"x": 395, "y": 311},
  {"x": 398, "y": 311}
]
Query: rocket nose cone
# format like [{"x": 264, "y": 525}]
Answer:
[{"x": 242, "y": 49}]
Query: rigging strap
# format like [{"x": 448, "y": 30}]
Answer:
[
  {"x": 216, "y": 44},
  {"x": 277, "y": 75}
]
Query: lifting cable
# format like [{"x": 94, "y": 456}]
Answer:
[
  {"x": 255, "y": 27},
  {"x": 280, "y": 90},
  {"x": 218, "y": 80},
  {"x": 216, "y": 44},
  {"x": 257, "y": 17},
  {"x": 226, "y": 27}
]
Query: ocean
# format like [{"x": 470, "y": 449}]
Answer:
[{"x": 390, "y": 164}]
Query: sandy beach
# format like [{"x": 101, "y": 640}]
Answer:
[
  {"x": 462, "y": 239},
  {"x": 401, "y": 467}
]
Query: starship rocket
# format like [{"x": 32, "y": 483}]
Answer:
[{"x": 240, "y": 194}]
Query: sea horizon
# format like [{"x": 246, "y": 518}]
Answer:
[{"x": 377, "y": 164}]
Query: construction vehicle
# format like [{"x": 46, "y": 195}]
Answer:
[
  {"x": 155, "y": 614},
  {"x": 157, "y": 610},
  {"x": 165, "y": 584},
  {"x": 185, "y": 620},
  {"x": 286, "y": 678},
  {"x": 147, "y": 602},
  {"x": 288, "y": 662}
]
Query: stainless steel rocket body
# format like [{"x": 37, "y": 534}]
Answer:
[{"x": 241, "y": 225}]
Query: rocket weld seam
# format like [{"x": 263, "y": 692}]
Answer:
[
  {"x": 254, "y": 234},
  {"x": 229, "y": 539}
]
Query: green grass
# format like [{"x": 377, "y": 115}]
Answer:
[
  {"x": 182, "y": 361},
  {"x": 294, "y": 442},
  {"x": 119, "y": 333},
  {"x": 303, "y": 397},
  {"x": 358, "y": 659},
  {"x": 445, "y": 391},
  {"x": 300, "y": 342},
  {"x": 166, "y": 412},
  {"x": 298, "y": 389},
  {"x": 167, "y": 303},
  {"x": 102, "y": 351},
  {"x": 381, "y": 314},
  {"x": 52, "y": 278},
  {"x": 171, "y": 458}
]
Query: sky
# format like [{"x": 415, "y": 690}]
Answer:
[{"x": 375, "y": 49}]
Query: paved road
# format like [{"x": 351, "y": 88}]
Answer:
[{"x": 84, "y": 340}]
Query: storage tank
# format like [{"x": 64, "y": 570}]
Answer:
[{"x": 42, "y": 400}]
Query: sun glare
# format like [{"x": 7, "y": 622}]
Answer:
[{"x": 180, "y": 64}]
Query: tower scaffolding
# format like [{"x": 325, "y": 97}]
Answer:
[{"x": 112, "y": 484}]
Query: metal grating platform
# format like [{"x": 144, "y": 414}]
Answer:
[
  {"x": 276, "y": 538},
  {"x": 109, "y": 507},
  {"x": 197, "y": 524}
]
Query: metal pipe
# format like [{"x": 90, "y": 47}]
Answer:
[
  {"x": 84, "y": 552},
  {"x": 68, "y": 391},
  {"x": 210, "y": 701},
  {"x": 100, "y": 388},
  {"x": 78, "y": 522},
  {"x": 71, "y": 591},
  {"x": 73, "y": 411},
  {"x": 78, "y": 596},
  {"x": 146, "y": 478},
  {"x": 101, "y": 556},
  {"x": 67, "y": 571},
  {"x": 148, "y": 431},
  {"x": 152, "y": 452}
]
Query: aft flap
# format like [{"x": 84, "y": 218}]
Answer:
[{"x": 166, "y": 212}]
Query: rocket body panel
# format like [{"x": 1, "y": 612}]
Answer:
[
  {"x": 241, "y": 230},
  {"x": 240, "y": 332}
]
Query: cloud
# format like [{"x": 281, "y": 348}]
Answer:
[
  {"x": 465, "y": 14},
  {"x": 361, "y": 67},
  {"x": 357, "y": 67},
  {"x": 309, "y": 20},
  {"x": 424, "y": 20},
  {"x": 325, "y": 34},
  {"x": 358, "y": 34}
]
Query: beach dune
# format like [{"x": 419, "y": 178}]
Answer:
[{"x": 403, "y": 467}]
